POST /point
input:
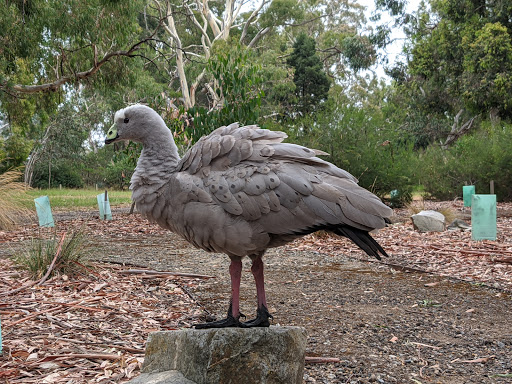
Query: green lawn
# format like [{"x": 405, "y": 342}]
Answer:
[{"x": 79, "y": 198}]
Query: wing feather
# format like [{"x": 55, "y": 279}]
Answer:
[{"x": 274, "y": 187}]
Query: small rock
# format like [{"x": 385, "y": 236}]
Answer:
[{"x": 459, "y": 224}]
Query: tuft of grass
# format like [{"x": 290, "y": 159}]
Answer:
[
  {"x": 449, "y": 214},
  {"x": 13, "y": 200},
  {"x": 37, "y": 256}
]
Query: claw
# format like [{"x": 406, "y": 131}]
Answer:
[
  {"x": 261, "y": 320},
  {"x": 228, "y": 322}
]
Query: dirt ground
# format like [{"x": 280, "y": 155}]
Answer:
[{"x": 384, "y": 325}]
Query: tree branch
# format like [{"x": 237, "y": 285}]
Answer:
[
  {"x": 55, "y": 85},
  {"x": 251, "y": 18},
  {"x": 259, "y": 35},
  {"x": 457, "y": 132}
]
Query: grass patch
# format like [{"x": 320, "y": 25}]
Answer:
[
  {"x": 37, "y": 256},
  {"x": 79, "y": 198}
]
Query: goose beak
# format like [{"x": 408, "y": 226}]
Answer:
[{"x": 112, "y": 135}]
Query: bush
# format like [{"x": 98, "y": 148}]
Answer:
[
  {"x": 62, "y": 173},
  {"x": 119, "y": 172},
  {"x": 37, "y": 257},
  {"x": 473, "y": 160}
]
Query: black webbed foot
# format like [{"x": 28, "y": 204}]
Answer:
[
  {"x": 261, "y": 320},
  {"x": 228, "y": 322}
]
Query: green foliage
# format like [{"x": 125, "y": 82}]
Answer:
[
  {"x": 359, "y": 52},
  {"x": 464, "y": 62},
  {"x": 487, "y": 78},
  {"x": 474, "y": 160},
  {"x": 61, "y": 173},
  {"x": 37, "y": 257},
  {"x": 311, "y": 82},
  {"x": 14, "y": 150},
  {"x": 239, "y": 88},
  {"x": 119, "y": 172}
]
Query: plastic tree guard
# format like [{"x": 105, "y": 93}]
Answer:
[
  {"x": 44, "y": 211},
  {"x": 483, "y": 217},
  {"x": 467, "y": 192}
]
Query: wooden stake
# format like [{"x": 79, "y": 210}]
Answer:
[{"x": 105, "y": 206}]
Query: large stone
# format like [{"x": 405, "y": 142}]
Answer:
[
  {"x": 272, "y": 355},
  {"x": 428, "y": 221}
]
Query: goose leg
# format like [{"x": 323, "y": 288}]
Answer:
[
  {"x": 235, "y": 271},
  {"x": 263, "y": 316}
]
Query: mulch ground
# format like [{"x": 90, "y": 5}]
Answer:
[{"x": 92, "y": 327}]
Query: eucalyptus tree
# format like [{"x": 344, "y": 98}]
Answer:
[{"x": 48, "y": 48}]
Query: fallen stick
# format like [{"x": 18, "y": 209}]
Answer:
[
  {"x": 487, "y": 252},
  {"x": 164, "y": 273},
  {"x": 92, "y": 355},
  {"x": 320, "y": 360},
  {"x": 425, "y": 345},
  {"x": 52, "y": 265},
  {"x": 59, "y": 309},
  {"x": 479, "y": 360},
  {"x": 118, "y": 346}
]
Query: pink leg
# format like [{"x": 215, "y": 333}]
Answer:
[
  {"x": 262, "y": 318},
  {"x": 257, "y": 272},
  {"x": 235, "y": 271}
]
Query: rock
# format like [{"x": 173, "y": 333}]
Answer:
[
  {"x": 459, "y": 224},
  {"x": 230, "y": 355},
  {"x": 428, "y": 221},
  {"x": 166, "y": 377}
]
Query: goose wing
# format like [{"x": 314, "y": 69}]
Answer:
[{"x": 280, "y": 189}]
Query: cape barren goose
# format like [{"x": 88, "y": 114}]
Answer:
[{"x": 240, "y": 191}]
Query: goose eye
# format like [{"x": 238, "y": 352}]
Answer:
[{"x": 126, "y": 120}]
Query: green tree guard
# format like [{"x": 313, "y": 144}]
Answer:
[
  {"x": 104, "y": 206},
  {"x": 483, "y": 217},
  {"x": 467, "y": 192},
  {"x": 44, "y": 211}
]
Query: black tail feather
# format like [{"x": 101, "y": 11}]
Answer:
[{"x": 362, "y": 239}]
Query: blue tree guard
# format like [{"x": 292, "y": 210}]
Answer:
[{"x": 44, "y": 211}]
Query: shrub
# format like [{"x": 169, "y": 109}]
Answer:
[
  {"x": 61, "y": 173},
  {"x": 37, "y": 257},
  {"x": 473, "y": 160}
]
